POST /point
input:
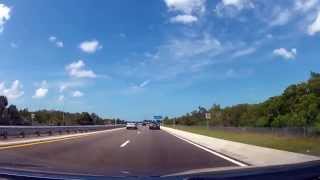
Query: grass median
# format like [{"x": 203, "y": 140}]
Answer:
[{"x": 306, "y": 145}]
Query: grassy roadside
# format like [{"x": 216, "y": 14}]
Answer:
[{"x": 306, "y": 145}]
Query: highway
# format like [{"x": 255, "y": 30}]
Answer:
[{"x": 121, "y": 152}]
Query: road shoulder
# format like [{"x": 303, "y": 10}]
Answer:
[{"x": 250, "y": 154}]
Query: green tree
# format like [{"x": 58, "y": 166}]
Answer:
[
  {"x": 3, "y": 105},
  {"x": 14, "y": 116},
  {"x": 297, "y": 106},
  {"x": 85, "y": 119}
]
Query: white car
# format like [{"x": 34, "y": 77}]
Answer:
[{"x": 132, "y": 126}]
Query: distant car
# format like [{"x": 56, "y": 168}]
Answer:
[
  {"x": 154, "y": 126},
  {"x": 131, "y": 126},
  {"x": 144, "y": 124}
]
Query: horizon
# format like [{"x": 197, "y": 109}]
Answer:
[
  {"x": 166, "y": 57},
  {"x": 263, "y": 100}
]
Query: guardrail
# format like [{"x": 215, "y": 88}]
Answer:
[{"x": 23, "y": 131}]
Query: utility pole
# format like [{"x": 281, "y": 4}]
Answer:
[{"x": 63, "y": 121}]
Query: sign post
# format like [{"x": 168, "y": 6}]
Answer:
[
  {"x": 208, "y": 117},
  {"x": 157, "y": 117},
  {"x": 32, "y": 117}
]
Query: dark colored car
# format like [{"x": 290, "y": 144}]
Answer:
[{"x": 154, "y": 126}]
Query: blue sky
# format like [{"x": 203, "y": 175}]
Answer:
[{"x": 135, "y": 59}]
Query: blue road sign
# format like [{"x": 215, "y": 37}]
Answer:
[{"x": 157, "y": 117}]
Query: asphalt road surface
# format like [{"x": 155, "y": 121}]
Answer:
[{"x": 141, "y": 152}]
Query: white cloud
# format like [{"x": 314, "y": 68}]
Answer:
[
  {"x": 151, "y": 55},
  {"x": 44, "y": 83},
  {"x": 231, "y": 8},
  {"x": 281, "y": 17},
  {"x": 90, "y": 46},
  {"x": 40, "y": 93},
  {"x": 183, "y": 48},
  {"x": 61, "y": 98},
  {"x": 244, "y": 52},
  {"x": 52, "y": 38},
  {"x": 188, "y": 10},
  {"x": 77, "y": 94},
  {"x": 59, "y": 44},
  {"x": 76, "y": 69},
  {"x": 73, "y": 83},
  {"x": 179, "y": 56},
  {"x": 233, "y": 73},
  {"x": 186, "y": 6},
  {"x": 301, "y": 10},
  {"x": 284, "y": 53},
  {"x": 315, "y": 26},
  {"x": 239, "y": 4},
  {"x": 144, "y": 83},
  {"x": 13, "y": 92},
  {"x": 4, "y": 15},
  {"x": 137, "y": 88},
  {"x": 305, "y": 5},
  {"x": 184, "y": 19},
  {"x": 62, "y": 88},
  {"x": 184, "y": 56}
]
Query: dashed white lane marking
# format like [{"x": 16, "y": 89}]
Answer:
[
  {"x": 125, "y": 143},
  {"x": 125, "y": 172},
  {"x": 138, "y": 132},
  {"x": 212, "y": 152}
]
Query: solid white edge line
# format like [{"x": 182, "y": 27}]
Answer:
[
  {"x": 125, "y": 143},
  {"x": 210, "y": 151}
]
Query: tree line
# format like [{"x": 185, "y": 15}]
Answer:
[
  {"x": 10, "y": 115},
  {"x": 297, "y": 106}
]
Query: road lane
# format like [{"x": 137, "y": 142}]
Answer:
[
  {"x": 157, "y": 152},
  {"x": 143, "y": 152}
]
